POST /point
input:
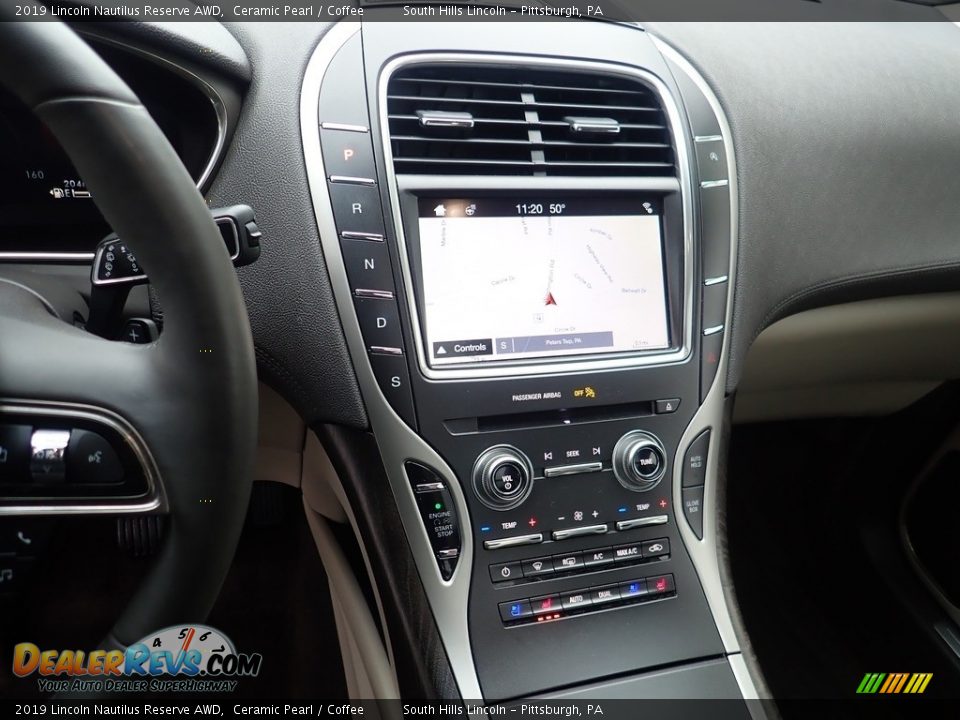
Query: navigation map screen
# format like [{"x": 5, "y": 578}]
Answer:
[{"x": 515, "y": 279}]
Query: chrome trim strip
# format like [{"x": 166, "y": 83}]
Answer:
[
  {"x": 707, "y": 184},
  {"x": 356, "y": 235},
  {"x": 344, "y": 126},
  {"x": 642, "y": 522},
  {"x": 715, "y": 280},
  {"x": 712, "y": 330},
  {"x": 707, "y": 138},
  {"x": 515, "y": 541},
  {"x": 379, "y": 294},
  {"x": 154, "y": 501},
  {"x": 558, "y": 470},
  {"x": 568, "y": 533},
  {"x": 539, "y": 366},
  {"x": 351, "y": 180},
  {"x": 70, "y": 257},
  {"x": 384, "y": 350},
  {"x": 704, "y": 553},
  {"x": 429, "y": 487},
  {"x": 397, "y": 441}
]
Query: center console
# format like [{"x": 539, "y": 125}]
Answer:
[{"x": 532, "y": 256}]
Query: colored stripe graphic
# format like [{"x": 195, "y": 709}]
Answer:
[{"x": 894, "y": 683}]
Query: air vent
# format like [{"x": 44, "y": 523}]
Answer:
[{"x": 458, "y": 119}]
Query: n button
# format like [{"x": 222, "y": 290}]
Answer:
[{"x": 368, "y": 265}]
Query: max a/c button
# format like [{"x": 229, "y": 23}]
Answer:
[{"x": 628, "y": 553}]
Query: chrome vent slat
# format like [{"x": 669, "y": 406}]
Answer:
[{"x": 526, "y": 121}]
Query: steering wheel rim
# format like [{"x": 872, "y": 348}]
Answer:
[{"x": 192, "y": 394}]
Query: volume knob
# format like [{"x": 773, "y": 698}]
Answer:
[
  {"x": 502, "y": 477},
  {"x": 639, "y": 461}
]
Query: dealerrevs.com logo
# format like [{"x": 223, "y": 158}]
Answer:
[{"x": 192, "y": 658}]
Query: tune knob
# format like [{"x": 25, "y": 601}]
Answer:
[
  {"x": 639, "y": 461},
  {"x": 502, "y": 477}
]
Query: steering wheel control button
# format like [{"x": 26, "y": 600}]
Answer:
[
  {"x": 347, "y": 153},
  {"x": 114, "y": 262},
  {"x": 665, "y": 407},
  {"x": 692, "y": 498},
  {"x": 502, "y": 477},
  {"x": 356, "y": 208},
  {"x": 15, "y": 453},
  {"x": 653, "y": 549},
  {"x": 390, "y": 371},
  {"x": 648, "y": 521},
  {"x": 515, "y": 610},
  {"x": 711, "y": 159},
  {"x": 568, "y": 562},
  {"x": 91, "y": 460},
  {"x": 537, "y": 567},
  {"x": 48, "y": 450},
  {"x": 438, "y": 515},
  {"x": 573, "y": 532},
  {"x": 368, "y": 265},
  {"x": 598, "y": 558},
  {"x": 139, "y": 331},
  {"x": 379, "y": 321},
  {"x": 505, "y": 572},
  {"x": 694, "y": 471},
  {"x": 639, "y": 461},
  {"x": 514, "y": 541}
]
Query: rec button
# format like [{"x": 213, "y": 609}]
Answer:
[{"x": 461, "y": 348}]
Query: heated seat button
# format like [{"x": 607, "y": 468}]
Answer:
[
  {"x": 91, "y": 460},
  {"x": 347, "y": 154},
  {"x": 598, "y": 558},
  {"x": 515, "y": 610},
  {"x": 356, "y": 208},
  {"x": 605, "y": 594},
  {"x": 660, "y": 585},
  {"x": 655, "y": 548},
  {"x": 379, "y": 322},
  {"x": 537, "y": 567},
  {"x": 368, "y": 265},
  {"x": 546, "y": 604},
  {"x": 506, "y": 571},
  {"x": 576, "y": 600},
  {"x": 15, "y": 453}
]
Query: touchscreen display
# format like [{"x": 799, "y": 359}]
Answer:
[{"x": 520, "y": 278}]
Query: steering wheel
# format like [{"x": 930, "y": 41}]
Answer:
[{"x": 192, "y": 394}]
